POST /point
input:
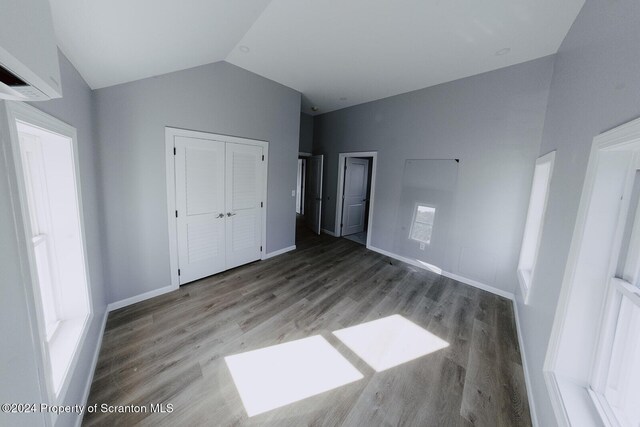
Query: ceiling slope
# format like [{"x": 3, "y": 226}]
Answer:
[
  {"x": 340, "y": 53},
  {"x": 337, "y": 53},
  {"x": 117, "y": 41}
]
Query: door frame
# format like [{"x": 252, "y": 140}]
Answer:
[
  {"x": 170, "y": 134},
  {"x": 342, "y": 157},
  {"x": 304, "y": 157}
]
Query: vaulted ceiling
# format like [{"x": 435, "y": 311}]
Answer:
[{"x": 337, "y": 53}]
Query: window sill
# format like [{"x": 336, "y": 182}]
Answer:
[
  {"x": 63, "y": 349},
  {"x": 576, "y": 403}
]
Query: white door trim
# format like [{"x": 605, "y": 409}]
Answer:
[
  {"x": 170, "y": 134},
  {"x": 340, "y": 190}
]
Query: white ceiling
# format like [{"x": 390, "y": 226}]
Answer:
[
  {"x": 117, "y": 41},
  {"x": 338, "y": 53}
]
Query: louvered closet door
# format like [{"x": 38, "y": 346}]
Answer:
[
  {"x": 200, "y": 176},
  {"x": 243, "y": 198}
]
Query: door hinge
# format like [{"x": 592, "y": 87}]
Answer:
[
  {"x": 178, "y": 272},
  {"x": 174, "y": 151},
  {"x": 341, "y": 225},
  {"x": 260, "y": 248},
  {"x": 262, "y": 204},
  {"x": 176, "y": 214},
  {"x": 263, "y": 157}
]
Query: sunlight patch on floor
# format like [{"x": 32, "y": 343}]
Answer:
[
  {"x": 389, "y": 342},
  {"x": 278, "y": 375}
]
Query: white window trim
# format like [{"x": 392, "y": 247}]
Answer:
[
  {"x": 413, "y": 221},
  {"x": 525, "y": 276},
  {"x": 618, "y": 289},
  {"x": 624, "y": 138},
  {"x": 18, "y": 111}
]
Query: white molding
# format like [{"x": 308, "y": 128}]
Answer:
[
  {"x": 524, "y": 281},
  {"x": 303, "y": 154},
  {"x": 433, "y": 269},
  {"x": 525, "y": 366},
  {"x": 340, "y": 189},
  {"x": 625, "y": 137},
  {"x": 556, "y": 399},
  {"x": 170, "y": 134},
  {"x": 171, "y": 206},
  {"x": 279, "y": 252},
  {"x": 497, "y": 291},
  {"x": 329, "y": 232},
  {"x": 94, "y": 364},
  {"x": 622, "y": 138},
  {"x": 20, "y": 111},
  {"x": 142, "y": 297}
]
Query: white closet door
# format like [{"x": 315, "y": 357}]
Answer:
[
  {"x": 200, "y": 176},
  {"x": 244, "y": 189}
]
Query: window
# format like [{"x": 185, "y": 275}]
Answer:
[
  {"x": 617, "y": 394},
  {"x": 535, "y": 218},
  {"x": 41, "y": 228},
  {"x": 615, "y": 385},
  {"x": 592, "y": 357},
  {"x": 45, "y": 155},
  {"x": 422, "y": 224}
]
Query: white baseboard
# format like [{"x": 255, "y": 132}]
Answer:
[
  {"x": 279, "y": 252},
  {"x": 525, "y": 367},
  {"x": 480, "y": 285},
  {"x": 434, "y": 269},
  {"x": 330, "y": 233},
  {"x": 94, "y": 363},
  {"x": 132, "y": 300}
]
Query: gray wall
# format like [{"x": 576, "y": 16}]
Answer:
[
  {"x": 18, "y": 363},
  {"x": 219, "y": 98},
  {"x": 492, "y": 122},
  {"x": 306, "y": 133},
  {"x": 595, "y": 87}
]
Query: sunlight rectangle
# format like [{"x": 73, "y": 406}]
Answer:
[
  {"x": 276, "y": 376},
  {"x": 389, "y": 342}
]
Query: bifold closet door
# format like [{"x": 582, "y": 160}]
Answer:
[
  {"x": 200, "y": 201},
  {"x": 244, "y": 192}
]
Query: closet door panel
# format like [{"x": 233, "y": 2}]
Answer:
[
  {"x": 200, "y": 176},
  {"x": 244, "y": 190}
]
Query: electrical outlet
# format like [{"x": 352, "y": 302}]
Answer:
[
  {"x": 293, "y": 193},
  {"x": 422, "y": 246}
]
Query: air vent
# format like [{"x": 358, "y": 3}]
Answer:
[
  {"x": 13, "y": 87},
  {"x": 10, "y": 79}
]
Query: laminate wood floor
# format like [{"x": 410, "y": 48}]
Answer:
[{"x": 171, "y": 349}]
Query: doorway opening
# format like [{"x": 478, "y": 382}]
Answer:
[
  {"x": 356, "y": 188},
  {"x": 301, "y": 182}
]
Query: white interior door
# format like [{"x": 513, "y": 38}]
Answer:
[
  {"x": 354, "y": 199},
  {"x": 244, "y": 190},
  {"x": 313, "y": 198},
  {"x": 200, "y": 203}
]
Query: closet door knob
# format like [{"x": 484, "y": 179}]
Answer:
[
  {"x": 231, "y": 213},
  {"x": 220, "y": 215}
]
